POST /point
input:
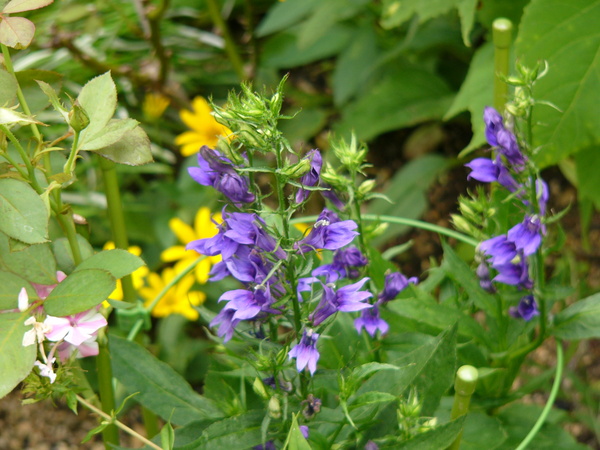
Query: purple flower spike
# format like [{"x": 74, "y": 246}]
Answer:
[
  {"x": 304, "y": 431},
  {"x": 515, "y": 274},
  {"x": 369, "y": 320},
  {"x": 328, "y": 233},
  {"x": 227, "y": 323},
  {"x": 542, "y": 193},
  {"x": 500, "y": 249},
  {"x": 507, "y": 146},
  {"x": 493, "y": 124},
  {"x": 248, "y": 304},
  {"x": 483, "y": 169},
  {"x": 306, "y": 352},
  {"x": 395, "y": 283},
  {"x": 526, "y": 310},
  {"x": 311, "y": 178}
]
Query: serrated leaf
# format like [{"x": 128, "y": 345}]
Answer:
[
  {"x": 110, "y": 134},
  {"x": 8, "y": 88},
  {"x": 80, "y": 291},
  {"x": 64, "y": 254},
  {"x": 16, "y": 361},
  {"x": 54, "y": 100},
  {"x": 35, "y": 263},
  {"x": 117, "y": 262},
  {"x": 476, "y": 92},
  {"x": 9, "y": 116},
  {"x": 161, "y": 389},
  {"x": 16, "y": 32},
  {"x": 581, "y": 320},
  {"x": 23, "y": 214},
  {"x": 99, "y": 100},
  {"x": 17, "y": 6},
  {"x": 568, "y": 39},
  {"x": 133, "y": 149}
]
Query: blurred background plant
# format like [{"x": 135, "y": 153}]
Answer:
[{"x": 410, "y": 78}]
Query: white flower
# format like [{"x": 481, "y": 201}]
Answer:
[
  {"x": 23, "y": 300},
  {"x": 36, "y": 334},
  {"x": 46, "y": 370}
]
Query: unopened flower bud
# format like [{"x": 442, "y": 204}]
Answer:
[
  {"x": 461, "y": 224},
  {"x": 274, "y": 408},
  {"x": 366, "y": 187},
  {"x": 297, "y": 170},
  {"x": 259, "y": 388},
  {"x": 78, "y": 118}
]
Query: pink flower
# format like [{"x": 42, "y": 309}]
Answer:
[
  {"x": 86, "y": 348},
  {"x": 43, "y": 290},
  {"x": 77, "y": 328}
]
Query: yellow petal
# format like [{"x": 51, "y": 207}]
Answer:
[
  {"x": 109, "y": 246},
  {"x": 190, "y": 149},
  {"x": 202, "y": 270},
  {"x": 174, "y": 253},
  {"x": 182, "y": 230},
  {"x": 190, "y": 137}
]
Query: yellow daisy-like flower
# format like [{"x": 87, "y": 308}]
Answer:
[
  {"x": 137, "y": 277},
  {"x": 205, "y": 129},
  {"x": 177, "y": 300},
  {"x": 203, "y": 228},
  {"x": 154, "y": 105}
]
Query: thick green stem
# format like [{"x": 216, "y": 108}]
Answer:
[
  {"x": 230, "y": 47},
  {"x": 464, "y": 386},
  {"x": 110, "y": 434},
  {"x": 502, "y": 37},
  {"x": 551, "y": 398},
  {"x": 117, "y": 219}
]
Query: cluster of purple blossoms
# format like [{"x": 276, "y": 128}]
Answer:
[
  {"x": 507, "y": 254},
  {"x": 218, "y": 171},
  {"x": 247, "y": 252}
]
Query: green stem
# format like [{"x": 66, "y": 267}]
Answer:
[
  {"x": 14, "y": 163},
  {"x": 464, "y": 386},
  {"x": 502, "y": 37},
  {"x": 20, "y": 96},
  {"x": 69, "y": 165},
  {"x": 551, "y": 398},
  {"x": 121, "y": 425},
  {"x": 155, "y": 20},
  {"x": 110, "y": 434},
  {"x": 230, "y": 47},
  {"x": 403, "y": 221},
  {"x": 117, "y": 220}
]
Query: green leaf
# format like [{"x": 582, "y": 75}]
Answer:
[
  {"x": 64, "y": 254},
  {"x": 108, "y": 135},
  {"x": 29, "y": 81},
  {"x": 54, "y": 100},
  {"x": 23, "y": 214},
  {"x": 407, "y": 193},
  {"x": 476, "y": 92},
  {"x": 568, "y": 39},
  {"x": 397, "y": 12},
  {"x": 17, "y": 6},
  {"x": 482, "y": 431},
  {"x": 8, "y": 88},
  {"x": 161, "y": 389},
  {"x": 16, "y": 32},
  {"x": 295, "y": 440},
  {"x": 16, "y": 361},
  {"x": 99, "y": 100},
  {"x": 404, "y": 96},
  {"x": 440, "y": 437},
  {"x": 35, "y": 263},
  {"x": 581, "y": 320},
  {"x": 283, "y": 51},
  {"x": 283, "y": 15},
  {"x": 9, "y": 116},
  {"x": 230, "y": 432},
  {"x": 117, "y": 262},
  {"x": 132, "y": 149},
  {"x": 11, "y": 286},
  {"x": 370, "y": 398},
  {"x": 80, "y": 291},
  {"x": 588, "y": 182},
  {"x": 167, "y": 437}
]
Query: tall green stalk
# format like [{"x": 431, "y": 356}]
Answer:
[{"x": 502, "y": 37}]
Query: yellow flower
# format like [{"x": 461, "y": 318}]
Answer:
[
  {"x": 154, "y": 105},
  {"x": 205, "y": 129},
  {"x": 137, "y": 277},
  {"x": 203, "y": 228},
  {"x": 177, "y": 300}
]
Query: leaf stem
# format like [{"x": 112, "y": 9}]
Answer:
[
  {"x": 553, "y": 393},
  {"x": 119, "y": 424},
  {"x": 110, "y": 434}
]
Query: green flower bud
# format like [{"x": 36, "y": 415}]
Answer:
[
  {"x": 259, "y": 388},
  {"x": 78, "y": 118},
  {"x": 296, "y": 170},
  {"x": 366, "y": 187},
  {"x": 461, "y": 224},
  {"x": 274, "y": 408}
]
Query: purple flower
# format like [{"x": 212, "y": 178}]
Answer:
[
  {"x": 346, "y": 299},
  {"x": 500, "y": 249},
  {"x": 493, "y": 124},
  {"x": 304, "y": 431},
  {"x": 526, "y": 236},
  {"x": 330, "y": 194},
  {"x": 310, "y": 178},
  {"x": 227, "y": 323},
  {"x": 217, "y": 171},
  {"x": 344, "y": 265},
  {"x": 306, "y": 352},
  {"x": 328, "y": 233},
  {"x": 269, "y": 445},
  {"x": 247, "y": 304},
  {"x": 305, "y": 285},
  {"x": 542, "y": 193},
  {"x": 370, "y": 445},
  {"x": 488, "y": 171},
  {"x": 483, "y": 273},
  {"x": 507, "y": 146},
  {"x": 526, "y": 310},
  {"x": 515, "y": 274},
  {"x": 369, "y": 320},
  {"x": 395, "y": 283}
]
